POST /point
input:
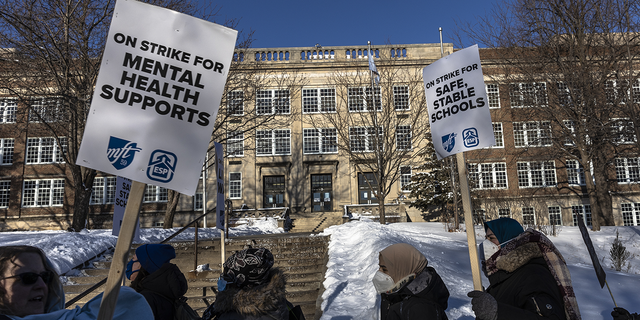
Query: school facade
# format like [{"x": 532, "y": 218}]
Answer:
[{"x": 292, "y": 164}]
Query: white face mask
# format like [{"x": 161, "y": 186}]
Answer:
[
  {"x": 383, "y": 282},
  {"x": 487, "y": 249}
]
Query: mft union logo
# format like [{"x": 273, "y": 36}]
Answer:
[
  {"x": 162, "y": 165},
  {"x": 449, "y": 141},
  {"x": 121, "y": 152},
  {"x": 470, "y": 137}
]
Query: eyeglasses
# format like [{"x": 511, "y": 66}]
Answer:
[{"x": 30, "y": 278}]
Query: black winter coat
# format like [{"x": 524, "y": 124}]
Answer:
[
  {"x": 530, "y": 291},
  {"x": 162, "y": 288},
  {"x": 425, "y": 297},
  {"x": 264, "y": 301}
]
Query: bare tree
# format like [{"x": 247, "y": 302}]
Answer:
[
  {"x": 54, "y": 53},
  {"x": 244, "y": 108},
  {"x": 569, "y": 65},
  {"x": 380, "y": 126}
]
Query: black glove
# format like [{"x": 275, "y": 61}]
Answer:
[
  {"x": 483, "y": 305},
  {"x": 623, "y": 314}
]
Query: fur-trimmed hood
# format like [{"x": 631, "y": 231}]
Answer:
[
  {"x": 515, "y": 259},
  {"x": 267, "y": 298}
]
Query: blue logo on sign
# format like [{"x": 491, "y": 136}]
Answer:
[
  {"x": 449, "y": 141},
  {"x": 470, "y": 137},
  {"x": 162, "y": 165},
  {"x": 121, "y": 152}
]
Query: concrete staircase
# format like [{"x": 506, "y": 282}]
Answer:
[
  {"x": 301, "y": 256},
  {"x": 315, "y": 224}
]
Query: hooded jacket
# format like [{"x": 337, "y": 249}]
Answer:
[
  {"x": 161, "y": 289},
  {"x": 264, "y": 301},
  {"x": 129, "y": 306},
  {"x": 524, "y": 287},
  {"x": 423, "y": 296}
]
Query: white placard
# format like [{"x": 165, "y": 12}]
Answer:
[
  {"x": 219, "y": 187},
  {"x": 157, "y": 96},
  {"x": 457, "y": 102},
  {"x": 123, "y": 187}
]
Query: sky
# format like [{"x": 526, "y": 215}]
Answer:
[
  {"x": 288, "y": 23},
  {"x": 353, "y": 259}
]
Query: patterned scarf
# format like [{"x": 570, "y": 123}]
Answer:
[{"x": 555, "y": 262}]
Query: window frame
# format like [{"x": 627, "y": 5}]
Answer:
[
  {"x": 273, "y": 140},
  {"x": 401, "y": 99},
  {"x": 39, "y": 151},
  {"x": 273, "y": 107},
  {"x": 321, "y": 96},
  {"x": 404, "y": 142},
  {"x": 493, "y": 95},
  {"x": 529, "y": 170},
  {"x": 158, "y": 194},
  {"x": 8, "y": 110},
  {"x": 235, "y": 144},
  {"x": 235, "y": 183},
  {"x": 627, "y": 172},
  {"x": 232, "y": 98},
  {"x": 366, "y": 144},
  {"x": 7, "y": 148},
  {"x": 55, "y": 197},
  {"x": 526, "y": 133},
  {"x": 325, "y": 140},
  {"x": 477, "y": 175},
  {"x": 528, "y": 94},
  {"x": 357, "y": 100}
]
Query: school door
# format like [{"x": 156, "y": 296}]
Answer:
[
  {"x": 273, "y": 191},
  {"x": 367, "y": 184},
  {"x": 322, "y": 192}
]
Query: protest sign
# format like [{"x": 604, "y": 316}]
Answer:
[
  {"x": 157, "y": 96},
  {"x": 123, "y": 187},
  {"x": 457, "y": 103}
]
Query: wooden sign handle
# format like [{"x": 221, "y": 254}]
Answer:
[
  {"x": 468, "y": 221},
  {"x": 116, "y": 272}
]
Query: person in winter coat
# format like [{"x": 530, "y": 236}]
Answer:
[
  {"x": 158, "y": 280},
  {"x": 623, "y": 314},
  {"x": 409, "y": 288},
  {"x": 528, "y": 276},
  {"x": 30, "y": 289},
  {"x": 250, "y": 288}
]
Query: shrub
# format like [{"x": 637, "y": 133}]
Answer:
[{"x": 618, "y": 254}]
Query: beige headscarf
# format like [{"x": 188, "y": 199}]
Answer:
[{"x": 401, "y": 260}]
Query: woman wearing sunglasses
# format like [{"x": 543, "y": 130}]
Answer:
[{"x": 31, "y": 289}]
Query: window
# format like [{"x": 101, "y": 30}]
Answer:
[
  {"x": 155, "y": 194},
  {"x": 630, "y": 214},
  {"x": 5, "y": 192},
  {"x": 405, "y": 178},
  {"x": 104, "y": 190},
  {"x": 403, "y": 137},
  {"x": 8, "y": 108},
  {"x": 504, "y": 213},
  {"x": 235, "y": 185},
  {"x": 582, "y": 211},
  {"x": 322, "y": 140},
  {"x": 555, "y": 216},
  {"x": 197, "y": 200},
  {"x": 235, "y": 103},
  {"x": 575, "y": 173},
  {"x": 363, "y": 139},
  {"x": 235, "y": 144},
  {"x": 46, "y": 110},
  {"x": 528, "y": 216},
  {"x": 45, "y": 150},
  {"x": 498, "y": 134},
  {"x": 273, "y": 102},
  {"x": 319, "y": 100},
  {"x": 635, "y": 91},
  {"x": 493, "y": 95},
  {"x": 360, "y": 99},
  {"x": 43, "y": 193},
  {"x": 488, "y": 175},
  {"x": 401, "y": 97},
  {"x": 6, "y": 150},
  {"x": 273, "y": 142},
  {"x": 616, "y": 91},
  {"x": 536, "y": 174},
  {"x": 526, "y": 95},
  {"x": 532, "y": 134},
  {"x": 623, "y": 131},
  {"x": 627, "y": 170}
]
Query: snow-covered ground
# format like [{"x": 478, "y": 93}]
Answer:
[{"x": 353, "y": 259}]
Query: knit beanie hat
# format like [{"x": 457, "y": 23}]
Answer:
[
  {"x": 153, "y": 256},
  {"x": 248, "y": 267},
  {"x": 505, "y": 229}
]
